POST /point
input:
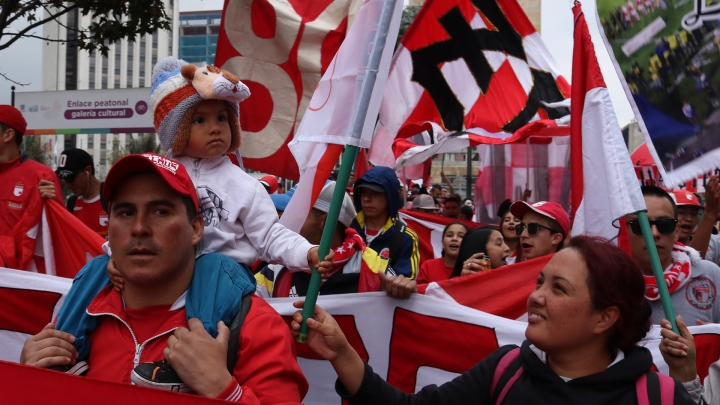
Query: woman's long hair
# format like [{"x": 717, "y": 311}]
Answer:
[{"x": 474, "y": 241}]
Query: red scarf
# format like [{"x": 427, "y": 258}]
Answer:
[
  {"x": 353, "y": 242},
  {"x": 676, "y": 275}
]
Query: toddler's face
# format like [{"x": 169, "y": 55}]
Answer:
[{"x": 210, "y": 133}]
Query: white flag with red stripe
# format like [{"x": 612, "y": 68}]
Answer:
[
  {"x": 429, "y": 230},
  {"x": 604, "y": 186},
  {"x": 327, "y": 124},
  {"x": 473, "y": 66}
]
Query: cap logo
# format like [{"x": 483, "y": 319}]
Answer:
[
  {"x": 539, "y": 204},
  {"x": 62, "y": 160},
  {"x": 689, "y": 196},
  {"x": 162, "y": 162}
]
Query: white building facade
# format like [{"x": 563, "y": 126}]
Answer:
[{"x": 129, "y": 63}]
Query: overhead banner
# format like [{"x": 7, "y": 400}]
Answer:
[
  {"x": 107, "y": 111},
  {"x": 667, "y": 55},
  {"x": 384, "y": 331}
]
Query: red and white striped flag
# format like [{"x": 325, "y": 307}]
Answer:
[
  {"x": 50, "y": 240},
  {"x": 429, "y": 228},
  {"x": 507, "y": 170},
  {"x": 327, "y": 124},
  {"x": 474, "y": 66},
  {"x": 604, "y": 186}
]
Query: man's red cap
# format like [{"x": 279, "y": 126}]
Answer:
[
  {"x": 13, "y": 118},
  {"x": 684, "y": 197},
  {"x": 271, "y": 182},
  {"x": 547, "y": 209},
  {"x": 172, "y": 172}
]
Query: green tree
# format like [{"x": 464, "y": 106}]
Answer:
[
  {"x": 31, "y": 146},
  {"x": 112, "y": 20},
  {"x": 117, "y": 153},
  {"x": 144, "y": 143},
  {"x": 408, "y": 16}
]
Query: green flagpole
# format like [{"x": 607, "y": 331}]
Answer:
[
  {"x": 657, "y": 270},
  {"x": 349, "y": 157},
  {"x": 346, "y": 165}
]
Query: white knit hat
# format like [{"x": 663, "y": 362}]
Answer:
[{"x": 347, "y": 212}]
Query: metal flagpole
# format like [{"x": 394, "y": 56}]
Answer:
[
  {"x": 527, "y": 165},
  {"x": 348, "y": 161},
  {"x": 657, "y": 270}
]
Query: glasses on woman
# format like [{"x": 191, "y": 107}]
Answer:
[
  {"x": 664, "y": 225},
  {"x": 533, "y": 228}
]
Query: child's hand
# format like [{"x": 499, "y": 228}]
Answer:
[
  {"x": 323, "y": 267},
  {"x": 115, "y": 276}
]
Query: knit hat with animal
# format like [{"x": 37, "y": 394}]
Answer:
[{"x": 178, "y": 87}]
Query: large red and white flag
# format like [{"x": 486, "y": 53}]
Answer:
[
  {"x": 468, "y": 65},
  {"x": 429, "y": 229},
  {"x": 334, "y": 109},
  {"x": 384, "y": 331},
  {"x": 279, "y": 49},
  {"x": 507, "y": 170},
  {"x": 50, "y": 240},
  {"x": 604, "y": 186}
]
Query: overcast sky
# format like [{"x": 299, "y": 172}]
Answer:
[{"x": 22, "y": 61}]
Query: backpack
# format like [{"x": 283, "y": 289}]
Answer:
[
  {"x": 235, "y": 326},
  {"x": 651, "y": 388}
]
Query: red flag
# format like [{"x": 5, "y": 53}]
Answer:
[
  {"x": 279, "y": 50},
  {"x": 501, "y": 292},
  {"x": 50, "y": 240},
  {"x": 474, "y": 66},
  {"x": 604, "y": 186},
  {"x": 428, "y": 228}
]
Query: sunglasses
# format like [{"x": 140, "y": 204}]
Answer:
[
  {"x": 533, "y": 228},
  {"x": 664, "y": 225},
  {"x": 71, "y": 178}
]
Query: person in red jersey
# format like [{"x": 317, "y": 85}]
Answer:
[
  {"x": 76, "y": 169},
  {"x": 19, "y": 176},
  {"x": 440, "y": 269}
]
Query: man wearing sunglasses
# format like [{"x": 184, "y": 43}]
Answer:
[
  {"x": 543, "y": 227},
  {"x": 692, "y": 282}
]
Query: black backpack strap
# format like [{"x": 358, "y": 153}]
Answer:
[
  {"x": 103, "y": 201},
  {"x": 235, "y": 326},
  {"x": 71, "y": 203},
  {"x": 653, "y": 388},
  {"x": 396, "y": 241}
]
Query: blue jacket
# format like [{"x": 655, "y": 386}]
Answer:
[
  {"x": 215, "y": 293},
  {"x": 405, "y": 260}
]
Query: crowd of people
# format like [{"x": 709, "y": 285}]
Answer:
[{"x": 194, "y": 246}]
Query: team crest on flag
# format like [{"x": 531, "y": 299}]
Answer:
[{"x": 19, "y": 186}]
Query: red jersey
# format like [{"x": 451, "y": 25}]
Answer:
[
  {"x": 19, "y": 180},
  {"x": 433, "y": 270},
  {"x": 92, "y": 214}
]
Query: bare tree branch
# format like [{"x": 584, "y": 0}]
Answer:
[
  {"x": 4, "y": 76},
  {"x": 35, "y": 25}
]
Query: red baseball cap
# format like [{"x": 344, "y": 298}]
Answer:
[
  {"x": 547, "y": 209},
  {"x": 13, "y": 118},
  {"x": 684, "y": 197},
  {"x": 172, "y": 172},
  {"x": 271, "y": 182}
]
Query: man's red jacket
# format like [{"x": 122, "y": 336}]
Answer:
[{"x": 266, "y": 372}]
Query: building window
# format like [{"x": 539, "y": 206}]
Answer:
[
  {"x": 131, "y": 49},
  {"x": 91, "y": 141},
  {"x": 118, "y": 46},
  {"x": 71, "y": 52}
]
